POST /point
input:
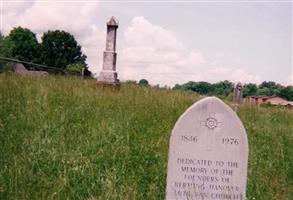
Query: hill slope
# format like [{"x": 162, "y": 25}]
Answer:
[{"x": 62, "y": 138}]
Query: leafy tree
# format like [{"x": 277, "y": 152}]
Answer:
[
  {"x": 268, "y": 84},
  {"x": 190, "y": 85},
  {"x": 74, "y": 69},
  {"x": 263, "y": 91},
  {"x": 5, "y": 50},
  {"x": 1, "y": 51},
  {"x": 287, "y": 93},
  {"x": 249, "y": 89},
  {"x": 1, "y": 40},
  {"x": 201, "y": 87},
  {"x": 143, "y": 82},
  {"x": 23, "y": 45},
  {"x": 275, "y": 92},
  {"x": 177, "y": 87},
  {"x": 274, "y": 89},
  {"x": 61, "y": 49},
  {"x": 222, "y": 88}
]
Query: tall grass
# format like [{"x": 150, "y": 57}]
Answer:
[{"x": 63, "y": 138}]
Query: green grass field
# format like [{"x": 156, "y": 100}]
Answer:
[{"x": 62, "y": 138}]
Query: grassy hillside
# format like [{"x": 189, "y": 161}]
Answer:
[{"x": 62, "y": 138}]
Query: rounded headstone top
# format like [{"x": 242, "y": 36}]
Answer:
[{"x": 112, "y": 22}]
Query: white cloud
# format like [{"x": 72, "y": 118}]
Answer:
[
  {"x": 156, "y": 54},
  {"x": 41, "y": 15},
  {"x": 15, "y": 8},
  {"x": 197, "y": 58},
  {"x": 143, "y": 33},
  {"x": 78, "y": 18}
]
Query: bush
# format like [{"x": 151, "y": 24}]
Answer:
[
  {"x": 74, "y": 69},
  {"x": 143, "y": 82}
]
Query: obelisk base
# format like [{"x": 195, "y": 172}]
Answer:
[
  {"x": 108, "y": 79},
  {"x": 108, "y": 76}
]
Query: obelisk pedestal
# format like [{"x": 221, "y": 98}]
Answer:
[{"x": 108, "y": 75}]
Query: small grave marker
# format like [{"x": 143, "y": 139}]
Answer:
[
  {"x": 238, "y": 93},
  {"x": 208, "y": 154}
]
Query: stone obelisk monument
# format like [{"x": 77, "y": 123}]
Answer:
[{"x": 108, "y": 75}]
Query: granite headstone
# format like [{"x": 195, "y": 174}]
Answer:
[{"x": 208, "y": 154}]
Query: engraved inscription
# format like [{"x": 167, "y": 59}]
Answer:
[
  {"x": 211, "y": 179},
  {"x": 230, "y": 141},
  {"x": 189, "y": 138}
]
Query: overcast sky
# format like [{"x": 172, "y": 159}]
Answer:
[{"x": 172, "y": 42}]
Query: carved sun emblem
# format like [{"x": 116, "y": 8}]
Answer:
[{"x": 211, "y": 122}]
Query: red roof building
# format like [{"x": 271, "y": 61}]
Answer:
[{"x": 273, "y": 100}]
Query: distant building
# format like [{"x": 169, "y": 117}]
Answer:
[{"x": 273, "y": 100}]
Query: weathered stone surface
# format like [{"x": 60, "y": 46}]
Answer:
[
  {"x": 108, "y": 73},
  {"x": 20, "y": 68},
  {"x": 238, "y": 93},
  {"x": 109, "y": 61},
  {"x": 111, "y": 39},
  {"x": 108, "y": 76},
  {"x": 208, "y": 154}
]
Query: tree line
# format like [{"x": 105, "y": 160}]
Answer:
[
  {"x": 225, "y": 88},
  {"x": 57, "y": 49}
]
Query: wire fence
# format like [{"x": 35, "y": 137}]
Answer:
[{"x": 29, "y": 65}]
